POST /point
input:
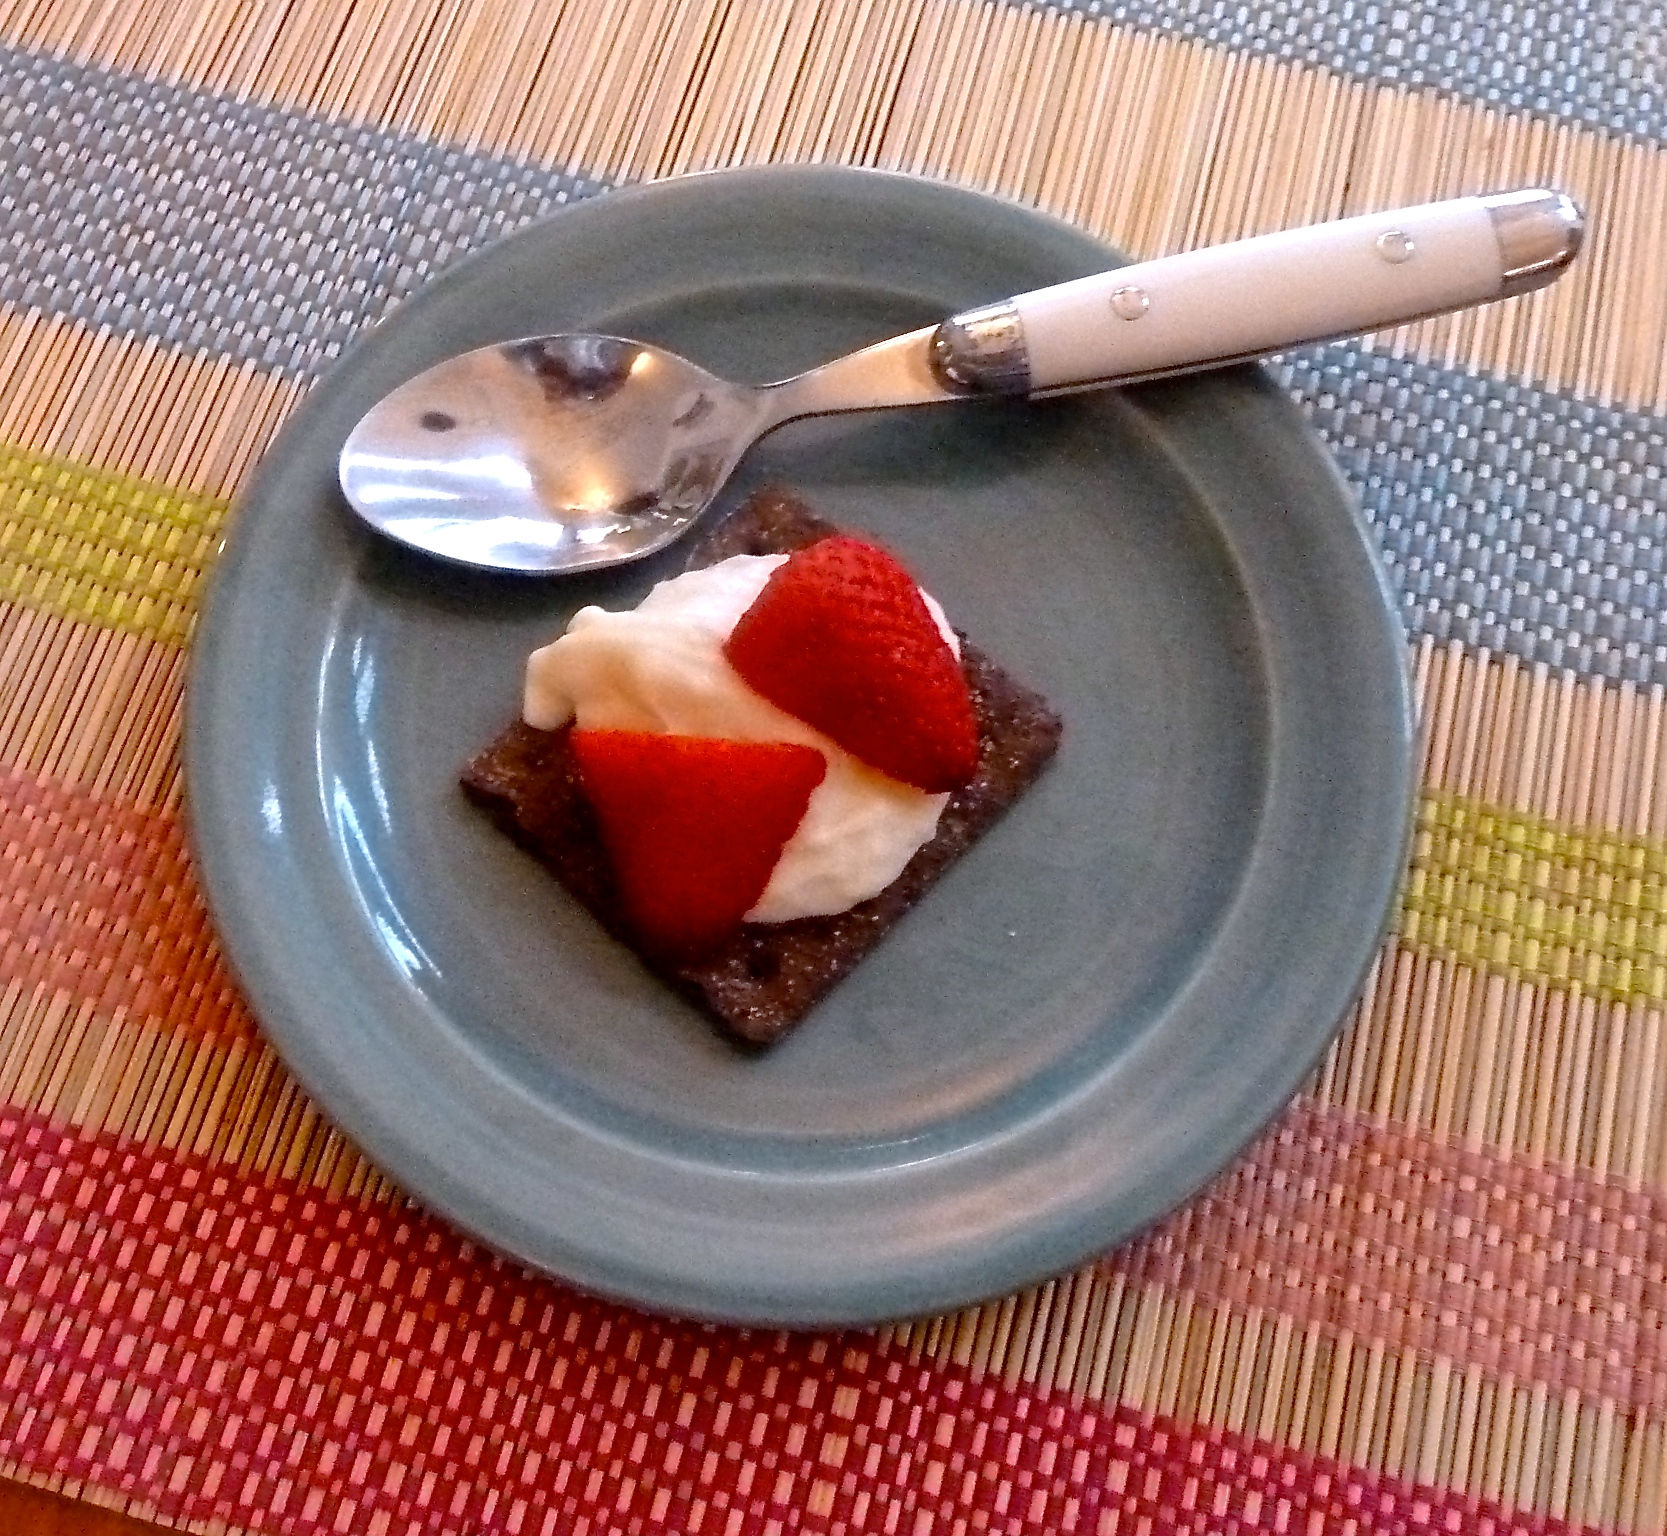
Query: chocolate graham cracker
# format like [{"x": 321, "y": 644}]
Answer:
[{"x": 766, "y": 977}]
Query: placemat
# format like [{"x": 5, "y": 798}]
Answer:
[{"x": 1431, "y": 1297}]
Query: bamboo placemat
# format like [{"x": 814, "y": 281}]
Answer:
[{"x": 1430, "y": 1298}]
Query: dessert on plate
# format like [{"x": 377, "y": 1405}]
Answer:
[{"x": 756, "y": 772}]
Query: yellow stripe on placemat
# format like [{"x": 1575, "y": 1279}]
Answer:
[
  {"x": 1523, "y": 895},
  {"x": 103, "y": 548},
  {"x": 1504, "y": 890},
  {"x": 117, "y": 461}
]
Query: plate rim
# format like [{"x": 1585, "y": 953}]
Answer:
[{"x": 418, "y": 1175}]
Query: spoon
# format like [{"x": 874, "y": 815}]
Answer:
[{"x": 570, "y": 452}]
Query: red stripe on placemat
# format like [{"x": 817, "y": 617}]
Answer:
[
  {"x": 252, "y": 1351},
  {"x": 98, "y": 899},
  {"x": 1374, "y": 1231},
  {"x": 1537, "y": 1273}
]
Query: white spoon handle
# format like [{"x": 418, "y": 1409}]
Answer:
[{"x": 1206, "y": 307}]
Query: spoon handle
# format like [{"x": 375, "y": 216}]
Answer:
[{"x": 1227, "y": 303}]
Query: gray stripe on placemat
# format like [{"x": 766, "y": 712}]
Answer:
[
  {"x": 1604, "y": 65},
  {"x": 170, "y": 212},
  {"x": 1511, "y": 518}
]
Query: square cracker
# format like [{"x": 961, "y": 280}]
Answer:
[{"x": 767, "y": 976}]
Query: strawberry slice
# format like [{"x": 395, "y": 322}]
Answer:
[
  {"x": 841, "y": 638},
  {"x": 693, "y": 825}
]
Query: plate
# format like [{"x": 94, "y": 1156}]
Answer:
[{"x": 1087, "y": 1018}]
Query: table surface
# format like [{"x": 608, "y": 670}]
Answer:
[
  {"x": 26, "y": 1511},
  {"x": 1430, "y": 1296}
]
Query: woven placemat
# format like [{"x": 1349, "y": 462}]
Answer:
[{"x": 1431, "y": 1296}]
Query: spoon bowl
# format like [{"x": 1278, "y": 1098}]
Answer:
[{"x": 549, "y": 453}]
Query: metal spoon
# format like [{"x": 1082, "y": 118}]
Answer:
[{"x": 561, "y": 453}]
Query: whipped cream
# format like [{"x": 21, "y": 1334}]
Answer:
[{"x": 660, "y": 667}]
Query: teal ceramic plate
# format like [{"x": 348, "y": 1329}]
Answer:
[{"x": 1094, "y": 1011}]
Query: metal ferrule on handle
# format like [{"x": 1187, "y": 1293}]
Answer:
[{"x": 1227, "y": 303}]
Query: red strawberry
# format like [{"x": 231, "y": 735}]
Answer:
[
  {"x": 693, "y": 825},
  {"x": 841, "y": 638}
]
